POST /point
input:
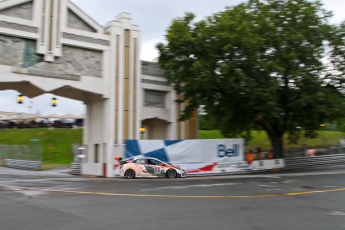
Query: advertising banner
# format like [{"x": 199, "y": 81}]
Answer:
[
  {"x": 220, "y": 167},
  {"x": 187, "y": 151}
]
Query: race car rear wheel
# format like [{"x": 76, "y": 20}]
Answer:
[
  {"x": 130, "y": 174},
  {"x": 171, "y": 173}
]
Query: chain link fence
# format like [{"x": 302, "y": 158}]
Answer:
[
  {"x": 301, "y": 152},
  {"x": 323, "y": 145},
  {"x": 21, "y": 152}
]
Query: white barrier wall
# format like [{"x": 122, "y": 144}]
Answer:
[
  {"x": 95, "y": 169},
  {"x": 267, "y": 164}
]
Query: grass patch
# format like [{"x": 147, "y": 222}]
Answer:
[{"x": 56, "y": 143}]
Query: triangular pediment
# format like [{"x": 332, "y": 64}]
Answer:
[
  {"x": 21, "y": 10},
  {"x": 75, "y": 22},
  {"x": 77, "y": 19}
]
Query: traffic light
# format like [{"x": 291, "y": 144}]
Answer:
[
  {"x": 54, "y": 102},
  {"x": 142, "y": 129},
  {"x": 20, "y": 99}
]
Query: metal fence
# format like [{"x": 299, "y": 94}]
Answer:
[
  {"x": 20, "y": 164},
  {"x": 76, "y": 164},
  {"x": 21, "y": 156},
  {"x": 304, "y": 162},
  {"x": 76, "y": 168},
  {"x": 301, "y": 152},
  {"x": 319, "y": 151},
  {"x": 328, "y": 142},
  {"x": 21, "y": 152}
]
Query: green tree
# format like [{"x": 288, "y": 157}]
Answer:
[
  {"x": 274, "y": 64},
  {"x": 206, "y": 122}
]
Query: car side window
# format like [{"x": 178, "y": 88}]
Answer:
[
  {"x": 160, "y": 163},
  {"x": 140, "y": 161},
  {"x": 151, "y": 162}
]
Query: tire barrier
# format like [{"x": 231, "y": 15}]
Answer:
[
  {"x": 303, "y": 162},
  {"x": 22, "y": 164}
]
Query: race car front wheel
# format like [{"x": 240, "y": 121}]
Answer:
[
  {"x": 130, "y": 174},
  {"x": 171, "y": 173}
]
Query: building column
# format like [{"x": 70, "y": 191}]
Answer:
[{"x": 125, "y": 62}]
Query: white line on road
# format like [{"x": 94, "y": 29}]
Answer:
[
  {"x": 290, "y": 181},
  {"x": 263, "y": 185},
  {"x": 336, "y": 213}
]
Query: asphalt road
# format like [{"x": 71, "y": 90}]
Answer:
[{"x": 301, "y": 200}]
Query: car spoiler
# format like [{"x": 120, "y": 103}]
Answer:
[{"x": 119, "y": 159}]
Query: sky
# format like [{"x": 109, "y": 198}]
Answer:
[{"x": 153, "y": 17}]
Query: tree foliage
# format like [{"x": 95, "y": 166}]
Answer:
[
  {"x": 206, "y": 123},
  {"x": 273, "y": 64}
]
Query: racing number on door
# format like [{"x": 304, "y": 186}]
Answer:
[{"x": 158, "y": 170}]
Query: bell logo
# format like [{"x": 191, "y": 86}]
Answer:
[{"x": 224, "y": 152}]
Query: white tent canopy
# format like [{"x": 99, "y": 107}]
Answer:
[
  {"x": 68, "y": 116},
  {"x": 26, "y": 116},
  {"x": 18, "y": 117}
]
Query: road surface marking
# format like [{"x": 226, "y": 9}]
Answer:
[
  {"x": 171, "y": 196},
  {"x": 336, "y": 213},
  {"x": 290, "y": 181},
  {"x": 263, "y": 185}
]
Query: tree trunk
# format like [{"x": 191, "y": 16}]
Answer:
[{"x": 277, "y": 145}]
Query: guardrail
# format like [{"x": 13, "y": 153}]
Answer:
[
  {"x": 22, "y": 164},
  {"x": 303, "y": 162},
  {"x": 76, "y": 168}
]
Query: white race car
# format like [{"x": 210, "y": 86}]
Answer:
[{"x": 148, "y": 167}]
